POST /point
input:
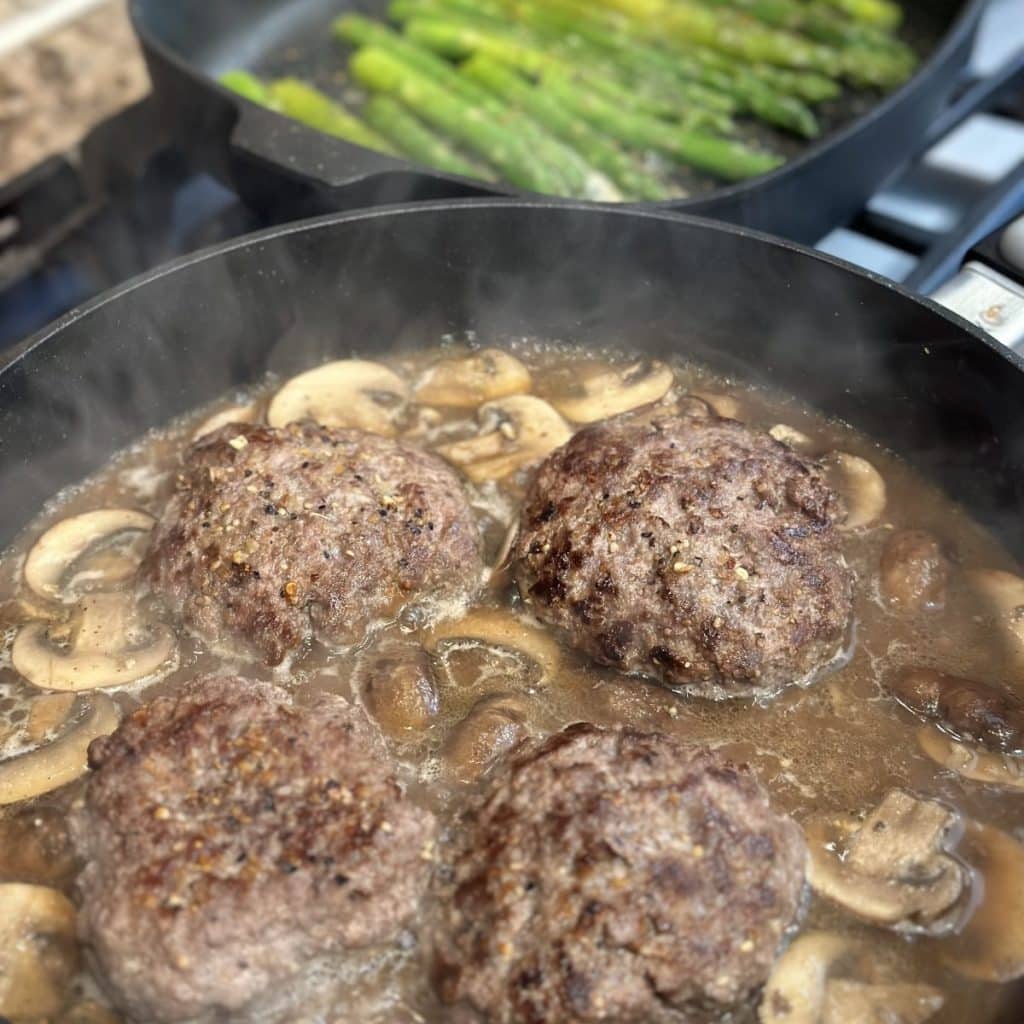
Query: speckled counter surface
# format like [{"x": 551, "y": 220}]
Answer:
[{"x": 54, "y": 90}]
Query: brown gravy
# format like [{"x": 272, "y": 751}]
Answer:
[{"x": 836, "y": 746}]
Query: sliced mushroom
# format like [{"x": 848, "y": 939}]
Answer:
[
  {"x": 35, "y": 846},
  {"x": 971, "y": 763},
  {"x": 515, "y": 432},
  {"x": 64, "y": 759},
  {"x": 856, "y": 1002},
  {"x": 37, "y": 950},
  {"x": 969, "y": 711},
  {"x": 56, "y": 553},
  {"x": 787, "y": 435},
  {"x": 895, "y": 869},
  {"x": 472, "y": 380},
  {"x": 991, "y": 945},
  {"x": 49, "y": 711},
  {"x": 346, "y": 393},
  {"x": 1003, "y": 594},
  {"x": 614, "y": 391},
  {"x": 859, "y": 484},
  {"x": 796, "y": 991},
  {"x": 723, "y": 405},
  {"x": 503, "y": 628},
  {"x": 102, "y": 645},
  {"x": 914, "y": 571},
  {"x": 495, "y": 725},
  {"x": 399, "y": 690},
  {"x": 803, "y": 988},
  {"x": 234, "y": 414}
]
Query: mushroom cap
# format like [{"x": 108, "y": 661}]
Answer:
[
  {"x": 345, "y": 393},
  {"x": 56, "y": 551},
  {"x": 895, "y": 869},
  {"x": 616, "y": 390},
  {"x": 103, "y": 646},
  {"x": 65, "y": 758},
  {"x": 516, "y": 432},
  {"x": 860, "y": 485},
  {"x": 469, "y": 381}
]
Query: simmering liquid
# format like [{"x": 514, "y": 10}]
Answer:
[{"x": 834, "y": 747}]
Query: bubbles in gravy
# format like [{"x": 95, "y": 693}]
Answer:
[{"x": 831, "y": 748}]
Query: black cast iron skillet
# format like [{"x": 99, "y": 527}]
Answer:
[
  {"x": 272, "y": 160},
  {"x": 921, "y": 381}
]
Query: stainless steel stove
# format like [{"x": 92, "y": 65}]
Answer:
[{"x": 126, "y": 200}]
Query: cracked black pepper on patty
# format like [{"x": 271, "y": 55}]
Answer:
[
  {"x": 229, "y": 836},
  {"x": 612, "y": 875},
  {"x": 275, "y": 536},
  {"x": 693, "y": 549}
]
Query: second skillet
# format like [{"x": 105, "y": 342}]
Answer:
[{"x": 272, "y": 159}]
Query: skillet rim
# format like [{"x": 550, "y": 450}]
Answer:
[{"x": 11, "y": 357}]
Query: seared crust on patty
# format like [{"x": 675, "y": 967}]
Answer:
[
  {"x": 609, "y": 875},
  {"x": 276, "y": 536},
  {"x": 692, "y": 549},
  {"x": 229, "y": 836}
]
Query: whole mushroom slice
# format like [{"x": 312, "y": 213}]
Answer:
[
  {"x": 102, "y": 645},
  {"x": 345, "y": 393},
  {"x": 895, "y": 870},
  {"x": 1003, "y": 595},
  {"x": 495, "y": 725},
  {"x": 993, "y": 769},
  {"x": 502, "y": 628},
  {"x": 967, "y": 710},
  {"x": 614, "y": 391},
  {"x": 53, "y": 557},
  {"x": 859, "y": 484},
  {"x": 805, "y": 988},
  {"x": 790, "y": 436},
  {"x": 62, "y": 760},
  {"x": 469, "y": 381},
  {"x": 991, "y": 945},
  {"x": 37, "y": 950},
  {"x": 233, "y": 414},
  {"x": 515, "y": 432}
]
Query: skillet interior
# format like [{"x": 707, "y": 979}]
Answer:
[
  {"x": 924, "y": 384},
  {"x": 270, "y": 37}
]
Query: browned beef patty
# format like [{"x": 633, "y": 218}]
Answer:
[
  {"x": 696, "y": 550},
  {"x": 276, "y": 536},
  {"x": 609, "y": 875},
  {"x": 229, "y": 836}
]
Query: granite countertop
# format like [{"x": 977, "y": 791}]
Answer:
[{"x": 56, "y": 88}]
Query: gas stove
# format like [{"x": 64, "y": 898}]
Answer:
[{"x": 127, "y": 199}]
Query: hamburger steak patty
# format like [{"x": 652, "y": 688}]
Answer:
[
  {"x": 279, "y": 535},
  {"x": 229, "y": 836},
  {"x": 609, "y": 875},
  {"x": 692, "y": 549}
]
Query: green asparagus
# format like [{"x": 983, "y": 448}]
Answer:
[
  {"x": 383, "y": 71},
  {"x": 414, "y": 139},
  {"x": 724, "y": 158},
  {"x": 884, "y": 13},
  {"x": 248, "y": 85},
  {"x": 603, "y": 154},
  {"x": 310, "y": 106},
  {"x": 578, "y": 178}
]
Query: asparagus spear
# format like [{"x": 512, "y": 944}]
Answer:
[
  {"x": 384, "y": 71},
  {"x": 603, "y": 154},
  {"x": 883, "y": 13},
  {"x": 459, "y": 40},
  {"x": 249, "y": 86},
  {"x": 414, "y": 139},
  {"x": 577, "y": 178},
  {"x": 661, "y": 70},
  {"x": 724, "y": 158},
  {"x": 310, "y": 106}
]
